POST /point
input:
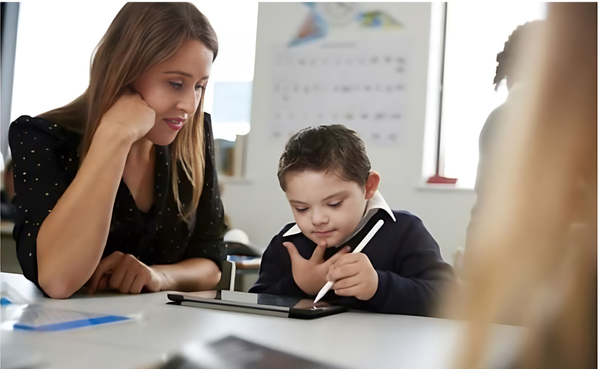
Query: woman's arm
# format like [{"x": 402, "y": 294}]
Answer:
[
  {"x": 125, "y": 273},
  {"x": 196, "y": 274},
  {"x": 71, "y": 239}
]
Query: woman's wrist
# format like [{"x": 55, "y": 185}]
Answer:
[
  {"x": 165, "y": 283},
  {"x": 113, "y": 133}
]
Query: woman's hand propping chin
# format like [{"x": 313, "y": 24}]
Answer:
[
  {"x": 125, "y": 273},
  {"x": 130, "y": 115}
]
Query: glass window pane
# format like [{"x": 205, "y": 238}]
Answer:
[{"x": 475, "y": 33}]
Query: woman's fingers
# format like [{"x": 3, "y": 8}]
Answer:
[
  {"x": 130, "y": 276},
  {"x": 105, "y": 265},
  {"x": 138, "y": 283},
  {"x": 119, "y": 271}
]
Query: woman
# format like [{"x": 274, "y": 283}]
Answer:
[{"x": 118, "y": 188}]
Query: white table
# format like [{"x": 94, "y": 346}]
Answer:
[{"x": 349, "y": 340}]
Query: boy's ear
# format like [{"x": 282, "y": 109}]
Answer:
[{"x": 372, "y": 184}]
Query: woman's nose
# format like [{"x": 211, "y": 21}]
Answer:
[{"x": 188, "y": 102}]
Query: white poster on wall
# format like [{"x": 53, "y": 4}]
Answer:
[{"x": 357, "y": 79}]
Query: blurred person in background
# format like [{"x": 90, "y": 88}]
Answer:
[{"x": 507, "y": 71}]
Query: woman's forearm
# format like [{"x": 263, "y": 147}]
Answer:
[
  {"x": 72, "y": 238},
  {"x": 196, "y": 274}
]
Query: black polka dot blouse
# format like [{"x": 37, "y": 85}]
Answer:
[{"x": 46, "y": 158}]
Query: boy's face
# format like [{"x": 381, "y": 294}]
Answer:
[{"x": 325, "y": 207}]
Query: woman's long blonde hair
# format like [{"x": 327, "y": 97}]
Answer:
[
  {"x": 533, "y": 258},
  {"x": 141, "y": 36}
]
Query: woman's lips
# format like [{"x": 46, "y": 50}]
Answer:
[{"x": 175, "y": 124}]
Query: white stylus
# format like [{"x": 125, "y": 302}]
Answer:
[{"x": 358, "y": 249}]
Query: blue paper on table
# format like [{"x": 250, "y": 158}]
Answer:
[{"x": 35, "y": 317}]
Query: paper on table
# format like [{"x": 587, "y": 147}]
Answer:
[
  {"x": 35, "y": 317},
  {"x": 9, "y": 295}
]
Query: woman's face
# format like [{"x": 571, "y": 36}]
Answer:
[{"x": 174, "y": 89}]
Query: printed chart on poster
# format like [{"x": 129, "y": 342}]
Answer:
[{"x": 358, "y": 82}]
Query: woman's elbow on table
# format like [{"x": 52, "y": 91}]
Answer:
[
  {"x": 56, "y": 287},
  {"x": 215, "y": 276}
]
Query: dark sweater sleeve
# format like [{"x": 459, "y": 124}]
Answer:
[
  {"x": 43, "y": 170},
  {"x": 207, "y": 239},
  {"x": 420, "y": 278},
  {"x": 275, "y": 276}
]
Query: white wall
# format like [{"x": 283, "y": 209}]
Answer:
[{"x": 258, "y": 205}]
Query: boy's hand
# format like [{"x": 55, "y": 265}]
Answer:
[
  {"x": 310, "y": 275},
  {"x": 354, "y": 275}
]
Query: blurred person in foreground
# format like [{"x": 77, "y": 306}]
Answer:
[{"x": 532, "y": 256}]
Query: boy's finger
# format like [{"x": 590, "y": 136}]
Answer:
[
  {"x": 346, "y": 283},
  {"x": 294, "y": 255},
  {"x": 338, "y": 255},
  {"x": 347, "y": 259},
  {"x": 344, "y": 271},
  {"x": 317, "y": 255},
  {"x": 350, "y": 291}
]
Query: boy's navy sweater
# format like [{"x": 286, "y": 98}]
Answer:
[{"x": 412, "y": 274}]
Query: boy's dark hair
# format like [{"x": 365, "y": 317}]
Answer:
[{"x": 333, "y": 148}]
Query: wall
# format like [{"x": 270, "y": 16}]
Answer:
[{"x": 257, "y": 204}]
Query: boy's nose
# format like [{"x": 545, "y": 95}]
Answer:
[{"x": 319, "y": 218}]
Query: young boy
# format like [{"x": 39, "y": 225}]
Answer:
[{"x": 325, "y": 174}]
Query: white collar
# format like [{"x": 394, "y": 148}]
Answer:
[{"x": 373, "y": 205}]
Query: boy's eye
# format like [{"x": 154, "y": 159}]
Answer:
[
  {"x": 301, "y": 210},
  {"x": 176, "y": 85},
  {"x": 335, "y": 205}
]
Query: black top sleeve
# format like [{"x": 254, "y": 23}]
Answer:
[
  {"x": 420, "y": 277},
  {"x": 41, "y": 157}
]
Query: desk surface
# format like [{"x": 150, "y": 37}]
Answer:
[{"x": 349, "y": 340}]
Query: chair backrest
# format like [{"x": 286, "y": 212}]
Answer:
[{"x": 227, "y": 281}]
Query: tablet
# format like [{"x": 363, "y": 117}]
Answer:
[{"x": 257, "y": 303}]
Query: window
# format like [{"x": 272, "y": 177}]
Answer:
[
  {"x": 475, "y": 32},
  {"x": 55, "y": 42}
]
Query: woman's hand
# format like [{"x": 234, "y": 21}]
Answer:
[
  {"x": 125, "y": 273},
  {"x": 130, "y": 115}
]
